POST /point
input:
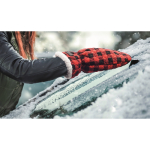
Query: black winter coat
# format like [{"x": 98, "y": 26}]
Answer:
[{"x": 15, "y": 70}]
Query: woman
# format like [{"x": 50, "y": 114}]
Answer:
[{"x": 18, "y": 65}]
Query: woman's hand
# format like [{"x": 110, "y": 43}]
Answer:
[{"x": 91, "y": 60}]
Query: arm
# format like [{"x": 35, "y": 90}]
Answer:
[{"x": 27, "y": 71}]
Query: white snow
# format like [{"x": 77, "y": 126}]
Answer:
[{"x": 132, "y": 100}]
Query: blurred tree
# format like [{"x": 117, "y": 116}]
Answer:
[
  {"x": 128, "y": 38},
  {"x": 66, "y": 37}
]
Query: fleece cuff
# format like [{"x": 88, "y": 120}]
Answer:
[{"x": 67, "y": 62}]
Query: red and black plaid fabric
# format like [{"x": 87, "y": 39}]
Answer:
[
  {"x": 75, "y": 62},
  {"x": 99, "y": 59}
]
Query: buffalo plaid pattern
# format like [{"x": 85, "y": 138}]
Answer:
[
  {"x": 99, "y": 59},
  {"x": 75, "y": 62}
]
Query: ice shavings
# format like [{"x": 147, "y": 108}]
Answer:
[{"x": 130, "y": 101}]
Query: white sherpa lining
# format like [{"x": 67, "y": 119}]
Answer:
[{"x": 67, "y": 62}]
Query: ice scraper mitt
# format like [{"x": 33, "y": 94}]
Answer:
[
  {"x": 72, "y": 61},
  {"x": 99, "y": 59}
]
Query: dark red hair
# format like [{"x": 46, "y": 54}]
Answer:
[{"x": 26, "y": 42}]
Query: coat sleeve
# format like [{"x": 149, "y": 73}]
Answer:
[{"x": 28, "y": 71}]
